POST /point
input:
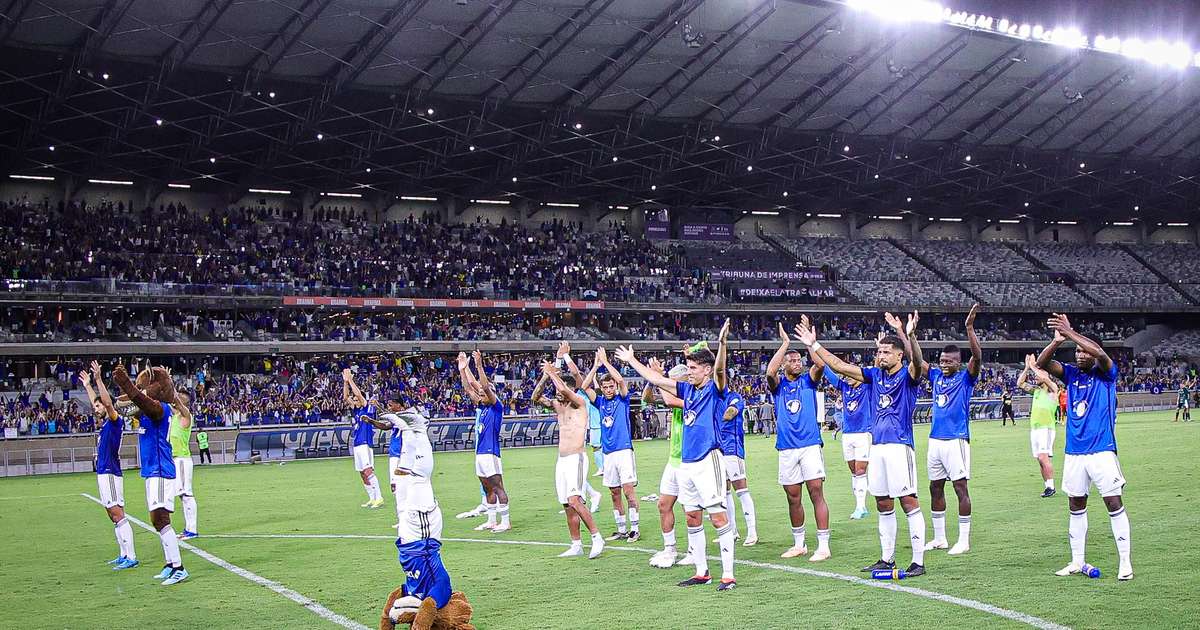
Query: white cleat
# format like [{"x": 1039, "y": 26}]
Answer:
[
  {"x": 597, "y": 547},
  {"x": 751, "y": 540},
  {"x": 485, "y": 526},
  {"x": 794, "y": 552},
  {"x": 573, "y": 552},
  {"x": 1125, "y": 572},
  {"x": 594, "y": 502},
  {"x": 936, "y": 544},
  {"x": 685, "y": 560},
  {"x": 960, "y": 548},
  {"x": 664, "y": 559},
  {"x": 820, "y": 555},
  {"x": 473, "y": 513},
  {"x": 500, "y": 529},
  {"x": 1070, "y": 569}
]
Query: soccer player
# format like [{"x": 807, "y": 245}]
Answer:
[
  {"x": 1006, "y": 408},
  {"x": 363, "y": 439},
  {"x": 154, "y": 450},
  {"x": 1091, "y": 451},
  {"x": 489, "y": 415},
  {"x": 892, "y": 471},
  {"x": 858, "y": 415},
  {"x": 570, "y": 472},
  {"x": 1185, "y": 401},
  {"x": 593, "y": 432},
  {"x": 668, "y": 485},
  {"x": 395, "y": 404},
  {"x": 733, "y": 455},
  {"x": 1062, "y": 405},
  {"x": 701, "y": 476},
  {"x": 180, "y": 436},
  {"x": 202, "y": 442},
  {"x": 1041, "y": 418},
  {"x": 620, "y": 467},
  {"x": 798, "y": 413},
  {"x": 949, "y": 452},
  {"x": 108, "y": 467}
]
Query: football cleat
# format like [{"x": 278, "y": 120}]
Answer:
[
  {"x": 617, "y": 536},
  {"x": 1070, "y": 569},
  {"x": 485, "y": 526},
  {"x": 696, "y": 580},
  {"x": 165, "y": 573},
  {"x": 377, "y": 503},
  {"x": 914, "y": 570},
  {"x": 858, "y": 515},
  {"x": 1125, "y": 572},
  {"x": 597, "y": 547},
  {"x": 573, "y": 552},
  {"x": 936, "y": 544},
  {"x": 820, "y": 555},
  {"x": 633, "y": 536},
  {"x": 177, "y": 576},
  {"x": 960, "y": 548},
  {"x": 1048, "y": 492},
  {"x": 881, "y": 565},
  {"x": 795, "y": 552},
  {"x": 185, "y": 535},
  {"x": 751, "y": 540},
  {"x": 685, "y": 560},
  {"x": 117, "y": 560},
  {"x": 127, "y": 563},
  {"x": 664, "y": 559},
  {"x": 727, "y": 584},
  {"x": 367, "y": 504},
  {"x": 501, "y": 528}
]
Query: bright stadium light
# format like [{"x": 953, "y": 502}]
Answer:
[
  {"x": 622, "y": 207},
  {"x": 1066, "y": 222},
  {"x": 1177, "y": 224},
  {"x": 39, "y": 178},
  {"x": 493, "y": 202},
  {"x": 830, "y": 216},
  {"x": 769, "y": 213},
  {"x": 889, "y": 217},
  {"x": 901, "y": 10},
  {"x": 1010, "y": 220},
  {"x": 340, "y": 194},
  {"x": 1123, "y": 223},
  {"x": 182, "y": 186},
  {"x": 555, "y": 204},
  {"x": 950, "y": 219},
  {"x": 111, "y": 182},
  {"x": 269, "y": 191},
  {"x": 407, "y": 198}
]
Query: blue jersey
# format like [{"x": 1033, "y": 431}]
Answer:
[
  {"x": 424, "y": 573},
  {"x": 896, "y": 399},
  {"x": 951, "y": 404},
  {"x": 363, "y": 431},
  {"x": 108, "y": 447},
  {"x": 395, "y": 444},
  {"x": 701, "y": 412},
  {"x": 1091, "y": 409},
  {"x": 798, "y": 413},
  {"x": 487, "y": 429},
  {"x": 732, "y": 434},
  {"x": 858, "y": 403},
  {"x": 154, "y": 447},
  {"x": 614, "y": 423}
]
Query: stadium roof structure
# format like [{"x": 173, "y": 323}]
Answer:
[{"x": 737, "y": 104}]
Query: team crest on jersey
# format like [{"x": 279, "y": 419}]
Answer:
[
  {"x": 689, "y": 418},
  {"x": 793, "y": 405},
  {"x": 1081, "y": 408},
  {"x": 607, "y": 421},
  {"x": 852, "y": 406},
  {"x": 885, "y": 401},
  {"x": 413, "y": 575},
  {"x": 942, "y": 400}
]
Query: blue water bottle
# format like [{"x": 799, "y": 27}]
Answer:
[
  {"x": 888, "y": 574},
  {"x": 1089, "y": 571}
]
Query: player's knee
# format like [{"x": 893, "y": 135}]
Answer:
[{"x": 1113, "y": 503}]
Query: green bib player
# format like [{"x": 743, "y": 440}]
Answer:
[
  {"x": 668, "y": 487},
  {"x": 1041, "y": 418},
  {"x": 180, "y": 435}
]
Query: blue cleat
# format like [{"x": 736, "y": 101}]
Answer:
[
  {"x": 186, "y": 535},
  {"x": 165, "y": 573},
  {"x": 177, "y": 576},
  {"x": 127, "y": 563},
  {"x": 117, "y": 560},
  {"x": 858, "y": 515}
]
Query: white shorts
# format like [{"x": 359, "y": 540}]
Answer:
[
  {"x": 735, "y": 467},
  {"x": 797, "y": 465},
  {"x": 570, "y": 473},
  {"x": 702, "y": 483},
  {"x": 160, "y": 494},
  {"x": 183, "y": 476},
  {"x": 417, "y": 525},
  {"x": 619, "y": 468},
  {"x": 393, "y": 462},
  {"x": 487, "y": 465},
  {"x": 1101, "y": 469},
  {"x": 1041, "y": 441},
  {"x": 948, "y": 459},
  {"x": 364, "y": 457},
  {"x": 856, "y": 447},
  {"x": 892, "y": 471},
  {"x": 112, "y": 490},
  {"x": 669, "y": 485}
]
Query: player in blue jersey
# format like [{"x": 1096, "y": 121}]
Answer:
[
  {"x": 701, "y": 475},
  {"x": 892, "y": 472},
  {"x": 151, "y": 394},
  {"x": 733, "y": 456},
  {"x": 858, "y": 416},
  {"x": 362, "y": 435},
  {"x": 1091, "y": 451},
  {"x": 489, "y": 416},
  {"x": 108, "y": 466},
  {"x": 616, "y": 439},
  {"x": 799, "y": 408},
  {"x": 949, "y": 453}
]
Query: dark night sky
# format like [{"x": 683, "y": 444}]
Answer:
[{"x": 1173, "y": 20}]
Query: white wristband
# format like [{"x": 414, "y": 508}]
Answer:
[{"x": 816, "y": 345}]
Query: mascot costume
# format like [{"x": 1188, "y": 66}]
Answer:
[{"x": 426, "y": 600}]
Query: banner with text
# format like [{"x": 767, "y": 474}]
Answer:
[
  {"x": 706, "y": 232},
  {"x": 658, "y": 224},
  {"x": 359, "y": 302},
  {"x": 808, "y": 274}
]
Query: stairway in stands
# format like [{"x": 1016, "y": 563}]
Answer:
[
  {"x": 844, "y": 296},
  {"x": 937, "y": 272},
  {"x": 1161, "y": 276},
  {"x": 1041, "y": 266}
]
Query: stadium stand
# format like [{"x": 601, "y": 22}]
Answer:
[
  {"x": 1092, "y": 263},
  {"x": 1031, "y": 294},
  {"x": 1133, "y": 294},
  {"x": 867, "y": 259},
  {"x": 980, "y": 260}
]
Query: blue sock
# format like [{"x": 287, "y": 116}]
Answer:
[{"x": 599, "y": 457}]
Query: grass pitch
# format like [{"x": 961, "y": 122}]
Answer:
[{"x": 56, "y": 542}]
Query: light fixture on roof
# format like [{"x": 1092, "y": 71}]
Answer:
[
  {"x": 429, "y": 111},
  {"x": 1066, "y": 222},
  {"x": 556, "y": 204},
  {"x": 614, "y": 158},
  {"x": 104, "y": 76},
  {"x": 514, "y": 180},
  {"x": 968, "y": 158},
  {"x": 271, "y": 94},
  {"x": 182, "y": 186},
  {"x": 409, "y": 198},
  {"x": 622, "y": 207},
  {"x": 39, "y": 178},
  {"x": 320, "y": 136},
  {"x": 578, "y": 126},
  {"x": 52, "y": 147},
  {"x": 212, "y": 160},
  {"x": 830, "y": 216},
  {"x": 785, "y": 193},
  {"x": 158, "y": 121},
  {"x": 269, "y": 191},
  {"x": 889, "y": 217},
  {"x": 1083, "y": 165},
  {"x": 492, "y": 202},
  {"x": 1026, "y": 204},
  {"x": 1123, "y": 223},
  {"x": 1136, "y": 208},
  {"x": 716, "y": 138},
  {"x": 846, "y": 149},
  {"x": 368, "y": 169},
  {"x": 341, "y": 194},
  {"x": 876, "y": 175},
  {"x": 111, "y": 182},
  {"x": 749, "y": 168},
  {"x": 471, "y": 148},
  {"x": 692, "y": 37},
  {"x": 1010, "y": 220},
  {"x": 908, "y": 199},
  {"x": 950, "y": 219},
  {"x": 1177, "y": 225},
  {"x": 769, "y": 213}
]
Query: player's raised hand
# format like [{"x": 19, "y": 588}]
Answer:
[
  {"x": 346, "y": 375},
  {"x": 724, "y": 330},
  {"x": 463, "y": 361},
  {"x": 655, "y": 365},
  {"x": 783, "y": 336},
  {"x": 1031, "y": 362},
  {"x": 624, "y": 353},
  {"x": 1059, "y": 323},
  {"x": 879, "y": 338},
  {"x": 894, "y": 322},
  {"x": 971, "y": 316},
  {"x": 547, "y": 368},
  {"x": 478, "y": 356},
  {"x": 84, "y": 378},
  {"x": 601, "y": 355},
  {"x": 805, "y": 332},
  {"x": 96, "y": 368},
  {"x": 564, "y": 349},
  {"x": 911, "y": 326}
]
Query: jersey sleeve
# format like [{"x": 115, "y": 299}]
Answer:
[
  {"x": 833, "y": 377},
  {"x": 682, "y": 389},
  {"x": 1110, "y": 375},
  {"x": 870, "y": 374},
  {"x": 1069, "y": 373}
]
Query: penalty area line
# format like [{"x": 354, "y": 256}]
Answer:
[{"x": 310, "y": 604}]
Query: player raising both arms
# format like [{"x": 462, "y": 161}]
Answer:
[
  {"x": 570, "y": 472},
  {"x": 181, "y": 451},
  {"x": 949, "y": 453},
  {"x": 1091, "y": 451},
  {"x": 892, "y": 472},
  {"x": 701, "y": 476},
  {"x": 1041, "y": 418},
  {"x": 798, "y": 411},
  {"x": 489, "y": 415},
  {"x": 620, "y": 467},
  {"x": 108, "y": 466},
  {"x": 858, "y": 416},
  {"x": 363, "y": 438}
]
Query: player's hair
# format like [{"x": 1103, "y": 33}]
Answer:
[
  {"x": 892, "y": 340},
  {"x": 703, "y": 356},
  {"x": 791, "y": 351},
  {"x": 605, "y": 376},
  {"x": 952, "y": 349}
]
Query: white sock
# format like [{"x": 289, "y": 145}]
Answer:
[
  {"x": 373, "y": 482},
  {"x": 367, "y": 487},
  {"x": 939, "y": 524},
  {"x": 1050, "y": 484},
  {"x": 576, "y": 543},
  {"x": 591, "y": 492},
  {"x": 798, "y": 536},
  {"x": 916, "y": 531},
  {"x": 730, "y": 512},
  {"x": 1120, "y": 530},
  {"x": 125, "y": 531},
  {"x": 964, "y": 529},
  {"x": 822, "y": 540},
  {"x": 189, "y": 512},
  {"x": 748, "y": 512},
  {"x": 725, "y": 536},
  {"x": 120, "y": 539},
  {"x": 502, "y": 512},
  {"x": 491, "y": 513},
  {"x": 696, "y": 549},
  {"x": 1077, "y": 532},
  {"x": 859, "y": 484},
  {"x": 620, "y": 519},
  {"x": 669, "y": 540},
  {"x": 398, "y": 510},
  {"x": 633, "y": 519},
  {"x": 887, "y": 535},
  {"x": 170, "y": 545}
]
